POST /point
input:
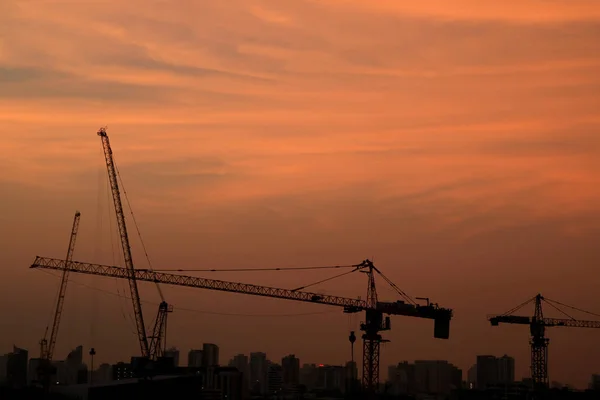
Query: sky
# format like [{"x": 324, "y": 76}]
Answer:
[{"x": 456, "y": 144}]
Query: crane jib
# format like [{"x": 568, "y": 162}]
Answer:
[{"x": 349, "y": 304}]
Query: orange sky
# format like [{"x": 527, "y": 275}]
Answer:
[{"x": 454, "y": 142}]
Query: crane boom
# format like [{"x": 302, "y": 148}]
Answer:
[
  {"x": 196, "y": 282},
  {"x": 48, "y": 346},
  {"x": 349, "y": 305},
  {"x": 129, "y": 268},
  {"x": 548, "y": 322}
]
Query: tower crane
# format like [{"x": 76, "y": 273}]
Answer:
[
  {"x": 373, "y": 308},
  {"x": 47, "y": 345},
  {"x": 155, "y": 347},
  {"x": 537, "y": 329}
]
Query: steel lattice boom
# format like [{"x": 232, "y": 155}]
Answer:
[
  {"x": 548, "y": 322},
  {"x": 429, "y": 311},
  {"x": 191, "y": 281},
  {"x": 129, "y": 268},
  {"x": 49, "y": 345}
]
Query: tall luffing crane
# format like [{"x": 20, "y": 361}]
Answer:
[
  {"x": 47, "y": 344},
  {"x": 373, "y": 308},
  {"x": 537, "y": 329},
  {"x": 155, "y": 347}
]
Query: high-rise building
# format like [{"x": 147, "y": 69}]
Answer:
[
  {"x": 72, "y": 370},
  {"x": 402, "y": 378},
  {"x": 75, "y": 356},
  {"x": 258, "y": 373},
  {"x": 330, "y": 377},
  {"x": 506, "y": 370},
  {"x": 103, "y": 374},
  {"x": 275, "y": 379},
  {"x": 595, "y": 382},
  {"x": 121, "y": 371},
  {"x": 487, "y": 371},
  {"x": 491, "y": 371},
  {"x": 16, "y": 368},
  {"x": 230, "y": 382},
  {"x": 195, "y": 358},
  {"x": 173, "y": 353},
  {"x": 240, "y": 362},
  {"x": 309, "y": 376},
  {"x": 210, "y": 355},
  {"x": 291, "y": 371},
  {"x": 437, "y": 376},
  {"x": 351, "y": 382}
]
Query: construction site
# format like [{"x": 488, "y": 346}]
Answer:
[{"x": 152, "y": 371}]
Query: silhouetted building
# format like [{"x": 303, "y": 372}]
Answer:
[
  {"x": 33, "y": 370},
  {"x": 595, "y": 382},
  {"x": 309, "y": 375},
  {"x": 492, "y": 371},
  {"x": 487, "y": 371},
  {"x": 401, "y": 378},
  {"x": 195, "y": 358},
  {"x": 437, "y": 377},
  {"x": 506, "y": 370},
  {"x": 351, "y": 382},
  {"x": 103, "y": 374},
  {"x": 15, "y": 368},
  {"x": 291, "y": 373},
  {"x": 122, "y": 371},
  {"x": 258, "y": 373},
  {"x": 161, "y": 387},
  {"x": 210, "y": 355},
  {"x": 240, "y": 362},
  {"x": 330, "y": 378},
  {"x": 275, "y": 379},
  {"x": 72, "y": 371},
  {"x": 172, "y": 353},
  {"x": 231, "y": 383}
]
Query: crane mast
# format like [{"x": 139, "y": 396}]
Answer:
[
  {"x": 131, "y": 276},
  {"x": 47, "y": 346},
  {"x": 537, "y": 330}
]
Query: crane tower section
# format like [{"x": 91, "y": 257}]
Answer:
[
  {"x": 131, "y": 276},
  {"x": 48, "y": 345}
]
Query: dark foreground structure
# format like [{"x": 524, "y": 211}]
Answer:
[{"x": 499, "y": 394}]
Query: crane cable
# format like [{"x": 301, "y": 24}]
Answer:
[
  {"x": 127, "y": 316},
  {"x": 396, "y": 288},
  {"x": 571, "y": 307},
  {"x": 251, "y": 269},
  {"x": 325, "y": 280},
  {"x": 162, "y": 297},
  {"x": 512, "y": 310},
  {"x": 559, "y": 310}
]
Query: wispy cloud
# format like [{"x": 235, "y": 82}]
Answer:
[{"x": 335, "y": 126}]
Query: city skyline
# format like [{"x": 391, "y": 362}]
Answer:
[
  {"x": 454, "y": 145},
  {"x": 487, "y": 369},
  {"x": 184, "y": 358}
]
